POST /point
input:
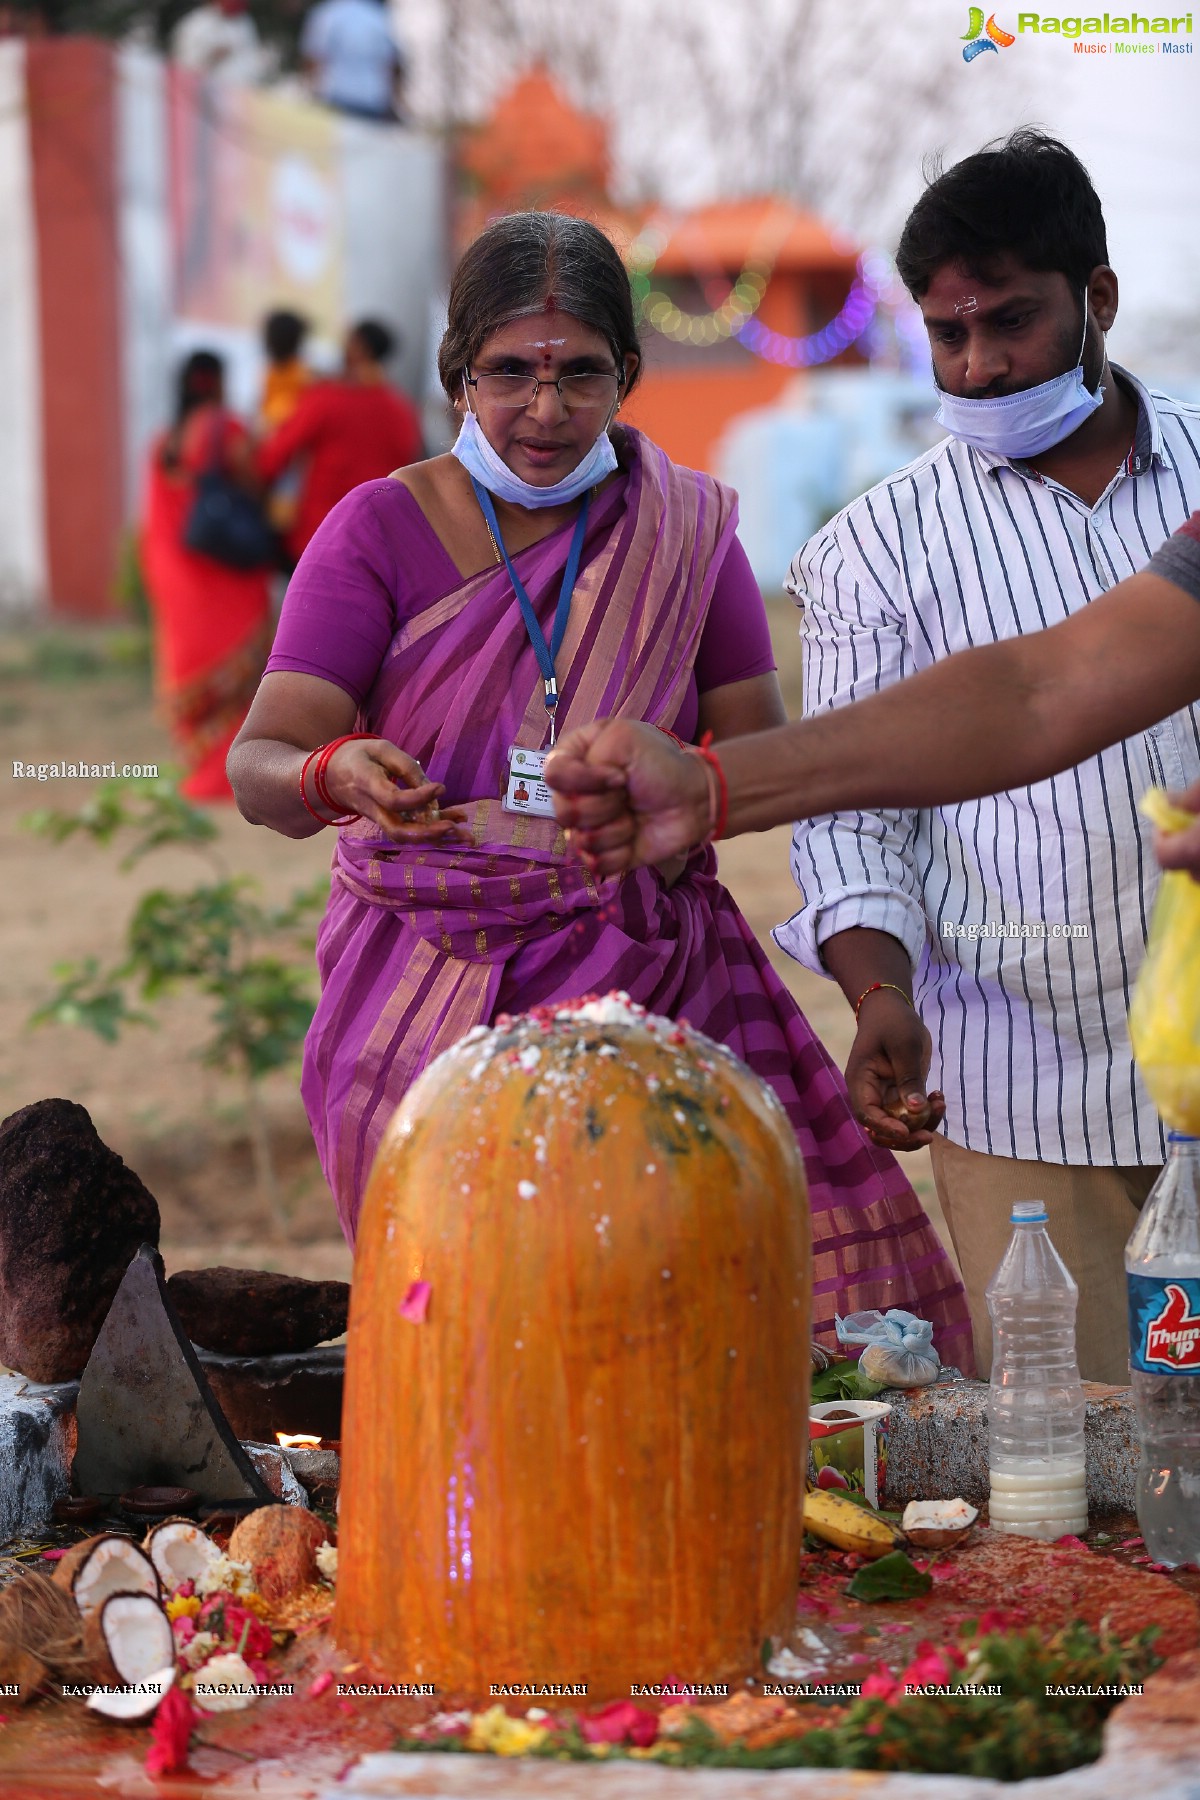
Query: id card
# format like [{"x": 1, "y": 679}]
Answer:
[{"x": 526, "y": 792}]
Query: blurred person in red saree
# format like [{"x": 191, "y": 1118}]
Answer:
[{"x": 212, "y": 622}]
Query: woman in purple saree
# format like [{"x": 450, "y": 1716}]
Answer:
[{"x": 402, "y": 620}]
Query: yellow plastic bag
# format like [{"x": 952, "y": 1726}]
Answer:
[{"x": 1164, "y": 1019}]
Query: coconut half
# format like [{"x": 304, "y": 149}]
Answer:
[
  {"x": 127, "y": 1639},
  {"x": 937, "y": 1524},
  {"x": 180, "y": 1552},
  {"x": 105, "y": 1565},
  {"x": 135, "y": 1705}
]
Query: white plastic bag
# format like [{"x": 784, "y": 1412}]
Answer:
[{"x": 899, "y": 1347}]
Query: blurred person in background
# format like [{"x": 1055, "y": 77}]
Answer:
[
  {"x": 288, "y": 374},
  {"x": 352, "y": 58},
  {"x": 212, "y": 626},
  {"x": 220, "y": 42},
  {"x": 343, "y": 432},
  {"x": 288, "y": 377},
  {"x": 436, "y": 612}
]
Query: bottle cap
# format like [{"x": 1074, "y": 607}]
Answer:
[
  {"x": 1029, "y": 1212},
  {"x": 1181, "y": 1137}
]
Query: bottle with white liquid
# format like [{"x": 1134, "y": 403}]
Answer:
[
  {"x": 1162, "y": 1264},
  {"x": 1035, "y": 1408}
]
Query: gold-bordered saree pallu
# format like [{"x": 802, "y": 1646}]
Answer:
[{"x": 420, "y": 944}]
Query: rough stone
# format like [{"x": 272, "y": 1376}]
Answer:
[
  {"x": 251, "y": 1312},
  {"x": 37, "y": 1442},
  {"x": 938, "y": 1444},
  {"x": 71, "y": 1217}
]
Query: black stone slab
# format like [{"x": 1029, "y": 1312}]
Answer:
[
  {"x": 146, "y": 1413},
  {"x": 261, "y": 1395}
]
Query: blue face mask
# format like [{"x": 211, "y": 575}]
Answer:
[
  {"x": 1025, "y": 424},
  {"x": 491, "y": 471}
]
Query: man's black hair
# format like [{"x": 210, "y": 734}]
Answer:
[
  {"x": 1028, "y": 195},
  {"x": 377, "y": 340},
  {"x": 283, "y": 334}
]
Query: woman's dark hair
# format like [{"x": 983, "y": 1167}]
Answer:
[
  {"x": 283, "y": 334},
  {"x": 1028, "y": 195},
  {"x": 201, "y": 380},
  {"x": 378, "y": 340},
  {"x": 519, "y": 263}
]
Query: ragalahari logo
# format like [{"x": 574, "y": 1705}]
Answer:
[
  {"x": 1173, "y": 1338},
  {"x": 979, "y": 37}
]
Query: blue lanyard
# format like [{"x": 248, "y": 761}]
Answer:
[{"x": 546, "y": 653}]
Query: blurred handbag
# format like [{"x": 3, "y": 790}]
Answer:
[{"x": 225, "y": 522}]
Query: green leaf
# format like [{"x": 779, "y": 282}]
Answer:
[{"x": 892, "y": 1577}]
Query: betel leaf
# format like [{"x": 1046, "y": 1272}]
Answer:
[{"x": 892, "y": 1577}]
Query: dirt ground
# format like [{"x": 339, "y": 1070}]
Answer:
[{"x": 84, "y": 696}]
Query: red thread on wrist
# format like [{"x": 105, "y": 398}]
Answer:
[{"x": 718, "y": 808}]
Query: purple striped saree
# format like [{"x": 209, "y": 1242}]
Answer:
[{"x": 421, "y": 943}]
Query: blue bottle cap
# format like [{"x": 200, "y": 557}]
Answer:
[
  {"x": 1181, "y": 1137},
  {"x": 1028, "y": 1212}
]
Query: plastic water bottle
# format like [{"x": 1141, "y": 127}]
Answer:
[
  {"x": 1035, "y": 1409},
  {"x": 1162, "y": 1266}
]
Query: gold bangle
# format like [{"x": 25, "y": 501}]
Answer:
[{"x": 875, "y": 988}]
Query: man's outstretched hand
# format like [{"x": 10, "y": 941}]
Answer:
[{"x": 627, "y": 795}]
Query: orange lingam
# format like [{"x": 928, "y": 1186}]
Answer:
[{"x": 577, "y": 1374}]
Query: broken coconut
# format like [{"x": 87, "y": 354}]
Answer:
[
  {"x": 180, "y": 1552},
  {"x": 937, "y": 1524},
  {"x": 129, "y": 1644},
  {"x": 105, "y": 1565},
  {"x": 40, "y": 1634},
  {"x": 280, "y": 1543},
  {"x": 141, "y": 1699}
]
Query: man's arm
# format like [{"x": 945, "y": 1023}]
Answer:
[
  {"x": 862, "y": 917},
  {"x": 985, "y": 720}
]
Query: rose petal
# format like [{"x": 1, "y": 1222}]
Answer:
[
  {"x": 415, "y": 1303},
  {"x": 320, "y": 1684}
]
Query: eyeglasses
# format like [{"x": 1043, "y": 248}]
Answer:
[{"x": 577, "y": 392}]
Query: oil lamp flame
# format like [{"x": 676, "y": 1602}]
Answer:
[{"x": 297, "y": 1440}]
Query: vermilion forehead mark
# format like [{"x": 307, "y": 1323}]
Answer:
[{"x": 551, "y": 304}]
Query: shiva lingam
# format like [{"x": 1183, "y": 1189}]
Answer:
[{"x": 574, "y": 1439}]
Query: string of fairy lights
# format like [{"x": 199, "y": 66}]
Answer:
[{"x": 874, "y": 289}]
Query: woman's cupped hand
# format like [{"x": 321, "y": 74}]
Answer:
[{"x": 375, "y": 779}]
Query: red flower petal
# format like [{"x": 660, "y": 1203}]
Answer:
[
  {"x": 415, "y": 1303},
  {"x": 619, "y": 1722},
  {"x": 170, "y": 1734},
  {"x": 321, "y": 1684}
]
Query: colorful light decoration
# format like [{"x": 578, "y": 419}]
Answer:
[
  {"x": 872, "y": 284},
  {"x": 660, "y": 312},
  {"x": 734, "y": 317}
]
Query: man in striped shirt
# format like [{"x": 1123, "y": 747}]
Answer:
[{"x": 1002, "y": 937}]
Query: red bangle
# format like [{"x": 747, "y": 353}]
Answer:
[
  {"x": 874, "y": 989},
  {"x": 719, "y": 799},
  {"x": 321, "y": 756}
]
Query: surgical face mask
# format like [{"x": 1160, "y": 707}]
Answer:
[
  {"x": 1025, "y": 424},
  {"x": 489, "y": 468}
]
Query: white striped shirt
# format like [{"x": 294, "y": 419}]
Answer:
[{"x": 1030, "y": 1042}]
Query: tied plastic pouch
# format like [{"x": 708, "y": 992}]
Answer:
[
  {"x": 899, "y": 1347},
  {"x": 1164, "y": 1019}
]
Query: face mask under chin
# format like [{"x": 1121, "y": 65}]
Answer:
[{"x": 1027, "y": 423}]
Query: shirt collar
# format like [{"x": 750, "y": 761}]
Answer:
[{"x": 1148, "y": 444}]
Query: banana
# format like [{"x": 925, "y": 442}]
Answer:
[{"x": 839, "y": 1521}]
